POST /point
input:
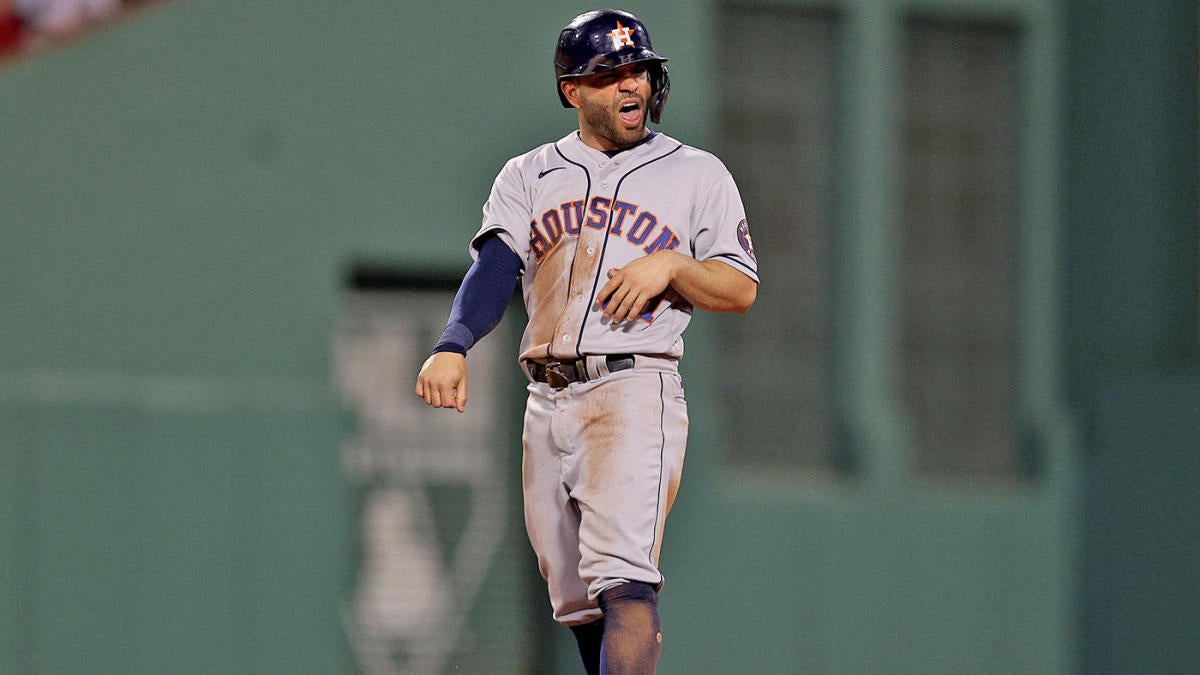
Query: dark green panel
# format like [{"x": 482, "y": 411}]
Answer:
[
  {"x": 17, "y": 490},
  {"x": 848, "y": 584},
  {"x": 1131, "y": 193},
  {"x": 198, "y": 523},
  {"x": 88, "y": 541},
  {"x": 176, "y": 542},
  {"x": 1140, "y": 590},
  {"x": 735, "y": 580},
  {"x": 1131, "y": 184},
  {"x": 297, "y": 551}
]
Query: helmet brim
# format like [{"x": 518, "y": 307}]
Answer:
[{"x": 602, "y": 62}]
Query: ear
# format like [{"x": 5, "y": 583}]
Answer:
[{"x": 570, "y": 89}]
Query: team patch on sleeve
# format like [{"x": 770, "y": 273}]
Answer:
[{"x": 743, "y": 235}]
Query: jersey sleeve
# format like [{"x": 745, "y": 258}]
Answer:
[
  {"x": 507, "y": 212},
  {"x": 723, "y": 232}
]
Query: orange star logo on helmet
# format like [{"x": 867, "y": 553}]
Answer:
[{"x": 622, "y": 37}]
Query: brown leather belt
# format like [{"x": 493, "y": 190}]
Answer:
[{"x": 558, "y": 374}]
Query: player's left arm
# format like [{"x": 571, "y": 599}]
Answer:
[{"x": 709, "y": 284}]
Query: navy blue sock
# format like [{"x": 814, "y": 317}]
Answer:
[
  {"x": 632, "y": 631},
  {"x": 589, "y": 636}
]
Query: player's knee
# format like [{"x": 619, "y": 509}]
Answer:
[
  {"x": 631, "y": 609},
  {"x": 630, "y": 591}
]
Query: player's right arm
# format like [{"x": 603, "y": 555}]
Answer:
[
  {"x": 478, "y": 307},
  {"x": 711, "y": 285}
]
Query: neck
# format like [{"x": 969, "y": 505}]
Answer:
[{"x": 607, "y": 145}]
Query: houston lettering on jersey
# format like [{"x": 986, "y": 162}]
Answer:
[{"x": 638, "y": 226}]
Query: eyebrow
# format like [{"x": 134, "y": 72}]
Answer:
[{"x": 615, "y": 72}]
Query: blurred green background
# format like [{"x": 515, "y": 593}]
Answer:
[{"x": 958, "y": 433}]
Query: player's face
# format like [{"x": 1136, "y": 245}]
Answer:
[{"x": 612, "y": 106}]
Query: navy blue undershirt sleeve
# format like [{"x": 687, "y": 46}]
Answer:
[{"x": 482, "y": 298}]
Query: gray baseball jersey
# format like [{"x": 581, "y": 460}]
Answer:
[
  {"x": 603, "y": 459},
  {"x": 571, "y": 213}
]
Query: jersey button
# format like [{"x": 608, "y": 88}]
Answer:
[
  {"x": 604, "y": 184},
  {"x": 566, "y": 338},
  {"x": 591, "y": 251}
]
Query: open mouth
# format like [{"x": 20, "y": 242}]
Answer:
[{"x": 630, "y": 112}]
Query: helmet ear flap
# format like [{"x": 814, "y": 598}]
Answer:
[{"x": 660, "y": 85}]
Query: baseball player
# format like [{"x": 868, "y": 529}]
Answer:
[{"x": 616, "y": 232}]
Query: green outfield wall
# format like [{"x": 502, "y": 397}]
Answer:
[{"x": 192, "y": 197}]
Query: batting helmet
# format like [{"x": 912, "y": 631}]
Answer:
[{"x": 604, "y": 39}]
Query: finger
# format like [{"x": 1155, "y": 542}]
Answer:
[
  {"x": 602, "y": 298},
  {"x": 635, "y": 309},
  {"x": 611, "y": 286},
  {"x": 613, "y": 308},
  {"x": 462, "y": 393},
  {"x": 621, "y": 312},
  {"x": 634, "y": 312}
]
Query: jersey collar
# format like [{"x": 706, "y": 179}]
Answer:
[{"x": 573, "y": 147}]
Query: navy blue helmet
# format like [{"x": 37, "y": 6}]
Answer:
[{"x": 604, "y": 39}]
